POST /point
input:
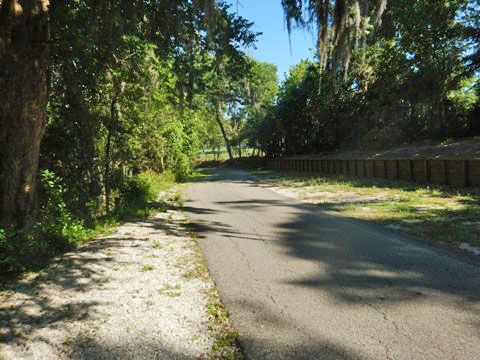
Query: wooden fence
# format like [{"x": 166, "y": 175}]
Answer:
[{"x": 454, "y": 172}]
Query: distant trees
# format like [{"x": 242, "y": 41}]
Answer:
[
  {"x": 387, "y": 72},
  {"x": 237, "y": 89},
  {"x": 256, "y": 91}
]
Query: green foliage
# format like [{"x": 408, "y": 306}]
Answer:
[
  {"x": 10, "y": 251},
  {"x": 403, "y": 74},
  {"x": 55, "y": 230},
  {"x": 128, "y": 92},
  {"x": 144, "y": 187},
  {"x": 136, "y": 190},
  {"x": 55, "y": 220},
  {"x": 58, "y": 229}
]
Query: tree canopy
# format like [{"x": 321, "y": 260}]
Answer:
[
  {"x": 113, "y": 89},
  {"x": 386, "y": 72}
]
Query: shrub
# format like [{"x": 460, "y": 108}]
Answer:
[
  {"x": 9, "y": 250},
  {"x": 55, "y": 220},
  {"x": 182, "y": 168},
  {"x": 144, "y": 188},
  {"x": 135, "y": 190},
  {"x": 55, "y": 230}
]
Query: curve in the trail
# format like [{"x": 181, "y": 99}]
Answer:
[{"x": 302, "y": 283}]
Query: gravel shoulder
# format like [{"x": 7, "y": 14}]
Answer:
[{"x": 141, "y": 293}]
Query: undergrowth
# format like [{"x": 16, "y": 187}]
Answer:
[{"x": 58, "y": 229}]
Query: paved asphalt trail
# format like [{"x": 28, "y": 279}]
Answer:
[{"x": 302, "y": 283}]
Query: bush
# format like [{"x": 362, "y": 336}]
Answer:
[
  {"x": 55, "y": 220},
  {"x": 10, "y": 250},
  {"x": 182, "y": 168},
  {"x": 55, "y": 230},
  {"x": 143, "y": 188},
  {"x": 135, "y": 190}
]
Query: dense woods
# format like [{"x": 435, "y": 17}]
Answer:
[
  {"x": 99, "y": 97},
  {"x": 385, "y": 73}
]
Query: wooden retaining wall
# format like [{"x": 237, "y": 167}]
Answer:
[{"x": 454, "y": 172}]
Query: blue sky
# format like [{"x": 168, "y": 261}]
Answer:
[{"x": 273, "y": 45}]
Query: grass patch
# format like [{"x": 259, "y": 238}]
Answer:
[
  {"x": 199, "y": 270},
  {"x": 435, "y": 213},
  {"x": 197, "y": 175},
  {"x": 212, "y": 155},
  {"x": 170, "y": 291},
  {"x": 177, "y": 199},
  {"x": 157, "y": 245},
  {"x": 196, "y": 273},
  {"x": 226, "y": 343},
  {"x": 147, "y": 268}
]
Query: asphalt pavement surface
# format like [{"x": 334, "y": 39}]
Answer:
[{"x": 303, "y": 283}]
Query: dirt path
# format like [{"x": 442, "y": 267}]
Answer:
[{"x": 130, "y": 295}]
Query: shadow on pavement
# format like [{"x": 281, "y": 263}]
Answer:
[{"x": 364, "y": 263}]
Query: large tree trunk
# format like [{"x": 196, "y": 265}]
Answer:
[{"x": 24, "y": 37}]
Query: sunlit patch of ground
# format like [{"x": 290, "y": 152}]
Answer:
[{"x": 438, "y": 214}]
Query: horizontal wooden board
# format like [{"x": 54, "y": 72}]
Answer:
[
  {"x": 455, "y": 172},
  {"x": 474, "y": 172}
]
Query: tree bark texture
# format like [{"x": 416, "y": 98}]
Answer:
[{"x": 24, "y": 56}]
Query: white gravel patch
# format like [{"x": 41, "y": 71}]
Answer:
[
  {"x": 118, "y": 297},
  {"x": 394, "y": 227},
  {"x": 413, "y": 221},
  {"x": 473, "y": 249}
]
